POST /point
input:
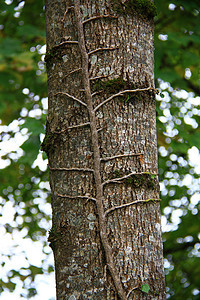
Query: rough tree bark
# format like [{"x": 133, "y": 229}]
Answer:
[{"x": 101, "y": 145}]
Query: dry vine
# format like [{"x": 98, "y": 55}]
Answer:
[{"x": 97, "y": 158}]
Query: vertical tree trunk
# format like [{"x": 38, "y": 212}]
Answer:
[{"x": 101, "y": 144}]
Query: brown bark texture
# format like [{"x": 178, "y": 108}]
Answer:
[{"x": 102, "y": 151}]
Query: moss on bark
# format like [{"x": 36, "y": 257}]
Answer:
[
  {"x": 50, "y": 140},
  {"x": 145, "y": 8}
]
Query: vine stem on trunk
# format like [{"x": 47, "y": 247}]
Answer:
[{"x": 97, "y": 159}]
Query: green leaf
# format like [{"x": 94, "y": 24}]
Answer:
[
  {"x": 34, "y": 126},
  {"x": 145, "y": 288},
  {"x": 162, "y": 95},
  {"x": 10, "y": 46},
  {"x": 31, "y": 148},
  {"x": 194, "y": 139},
  {"x": 30, "y": 31},
  {"x": 31, "y": 292},
  {"x": 127, "y": 99}
]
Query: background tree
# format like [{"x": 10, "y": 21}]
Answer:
[
  {"x": 176, "y": 62},
  {"x": 24, "y": 189}
]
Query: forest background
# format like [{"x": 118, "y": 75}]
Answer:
[{"x": 25, "y": 211}]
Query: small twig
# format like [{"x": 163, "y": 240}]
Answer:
[
  {"x": 99, "y": 129},
  {"x": 65, "y": 43},
  {"x": 117, "y": 180},
  {"x": 121, "y": 94},
  {"x": 136, "y": 287},
  {"x": 98, "y": 77},
  {"x": 129, "y": 204},
  {"x": 96, "y": 93},
  {"x": 72, "y": 169},
  {"x": 79, "y": 69},
  {"x": 72, "y": 127},
  {"x": 119, "y": 156},
  {"x": 98, "y": 17},
  {"x": 105, "y": 272},
  {"x": 102, "y": 49},
  {"x": 75, "y": 197},
  {"x": 63, "y": 20},
  {"x": 72, "y": 97}
]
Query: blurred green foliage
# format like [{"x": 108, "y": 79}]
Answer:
[{"x": 23, "y": 93}]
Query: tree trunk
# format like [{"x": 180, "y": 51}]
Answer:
[{"x": 101, "y": 144}]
